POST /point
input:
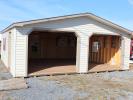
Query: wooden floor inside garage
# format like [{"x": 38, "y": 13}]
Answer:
[
  {"x": 48, "y": 67},
  {"x": 53, "y": 67},
  {"x": 103, "y": 67}
]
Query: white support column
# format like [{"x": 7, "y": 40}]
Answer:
[
  {"x": 125, "y": 52},
  {"x": 22, "y": 52},
  {"x": 82, "y": 54}
]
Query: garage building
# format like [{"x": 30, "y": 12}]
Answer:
[{"x": 66, "y": 44}]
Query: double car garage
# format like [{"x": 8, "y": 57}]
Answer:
[
  {"x": 55, "y": 52},
  {"x": 65, "y": 44}
]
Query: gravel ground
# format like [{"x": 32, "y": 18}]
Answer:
[
  {"x": 101, "y": 86},
  {"x": 5, "y": 76},
  {"x": 41, "y": 90},
  {"x": 4, "y": 73}
]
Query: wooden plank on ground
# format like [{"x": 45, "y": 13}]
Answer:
[{"x": 13, "y": 84}]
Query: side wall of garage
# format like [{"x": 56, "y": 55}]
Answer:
[
  {"x": 4, "y": 48},
  {"x": 8, "y": 50}
]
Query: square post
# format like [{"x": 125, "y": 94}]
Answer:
[
  {"x": 82, "y": 54},
  {"x": 125, "y": 54}
]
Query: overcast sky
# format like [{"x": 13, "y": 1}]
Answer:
[{"x": 118, "y": 11}]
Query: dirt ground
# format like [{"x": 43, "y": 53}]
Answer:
[
  {"x": 97, "y": 86},
  {"x": 116, "y": 85}
]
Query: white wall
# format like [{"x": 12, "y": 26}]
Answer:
[
  {"x": 82, "y": 54},
  {"x": 84, "y": 24},
  {"x": 13, "y": 52},
  {"x": 125, "y": 52},
  {"x": 4, "y": 53},
  {"x": 21, "y": 53}
]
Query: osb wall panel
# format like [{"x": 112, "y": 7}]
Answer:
[
  {"x": 47, "y": 46},
  {"x": 108, "y": 50}
]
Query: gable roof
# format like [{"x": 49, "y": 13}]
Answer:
[{"x": 90, "y": 15}]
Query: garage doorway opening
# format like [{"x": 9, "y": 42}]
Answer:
[
  {"x": 51, "y": 52},
  {"x": 104, "y": 53}
]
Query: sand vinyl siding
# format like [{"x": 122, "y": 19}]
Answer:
[
  {"x": 8, "y": 56},
  {"x": 84, "y": 24},
  {"x": 21, "y": 54},
  {"x": 12, "y": 51},
  {"x": 4, "y": 53},
  {"x": 82, "y": 58},
  {"x": 125, "y": 52}
]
